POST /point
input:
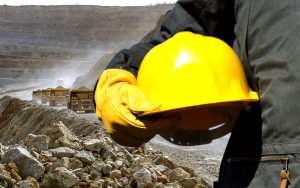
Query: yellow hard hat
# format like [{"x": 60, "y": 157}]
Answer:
[{"x": 198, "y": 77}]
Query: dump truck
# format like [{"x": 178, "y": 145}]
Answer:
[
  {"x": 59, "y": 96},
  {"x": 81, "y": 100},
  {"x": 37, "y": 95},
  {"x": 45, "y": 96}
]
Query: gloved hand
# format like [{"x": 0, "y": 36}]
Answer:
[{"x": 119, "y": 102}]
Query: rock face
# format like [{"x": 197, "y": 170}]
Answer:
[
  {"x": 76, "y": 27},
  {"x": 96, "y": 161}
]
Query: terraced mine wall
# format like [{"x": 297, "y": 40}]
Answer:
[{"x": 42, "y": 44}]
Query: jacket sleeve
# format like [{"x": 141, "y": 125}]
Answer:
[{"x": 207, "y": 17}]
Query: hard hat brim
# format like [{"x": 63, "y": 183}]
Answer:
[
  {"x": 195, "y": 107},
  {"x": 200, "y": 124}
]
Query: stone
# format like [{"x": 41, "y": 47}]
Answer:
[
  {"x": 159, "y": 185},
  {"x": 6, "y": 178},
  {"x": 118, "y": 164},
  {"x": 69, "y": 163},
  {"x": 35, "y": 154},
  {"x": 188, "y": 182},
  {"x": 78, "y": 172},
  {"x": 178, "y": 174},
  {"x": 13, "y": 171},
  {"x": 3, "y": 149},
  {"x": 98, "y": 165},
  {"x": 37, "y": 142},
  {"x": 85, "y": 156},
  {"x": 74, "y": 164},
  {"x": 46, "y": 153},
  {"x": 59, "y": 177},
  {"x": 115, "y": 174},
  {"x": 138, "y": 159},
  {"x": 49, "y": 167},
  {"x": 189, "y": 170},
  {"x": 109, "y": 142},
  {"x": 46, "y": 156},
  {"x": 29, "y": 183},
  {"x": 63, "y": 162},
  {"x": 172, "y": 185},
  {"x": 95, "y": 174},
  {"x": 162, "y": 169},
  {"x": 86, "y": 178},
  {"x": 143, "y": 178},
  {"x": 108, "y": 182},
  {"x": 124, "y": 181},
  {"x": 134, "y": 168},
  {"x": 161, "y": 160},
  {"x": 128, "y": 155},
  {"x": 94, "y": 144},
  {"x": 153, "y": 174},
  {"x": 146, "y": 148},
  {"x": 105, "y": 154},
  {"x": 61, "y": 136},
  {"x": 202, "y": 185},
  {"x": 26, "y": 163},
  {"x": 62, "y": 152},
  {"x": 163, "y": 179},
  {"x": 107, "y": 168},
  {"x": 96, "y": 184},
  {"x": 3, "y": 184},
  {"x": 113, "y": 155}
]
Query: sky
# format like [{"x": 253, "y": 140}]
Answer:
[{"x": 85, "y": 2}]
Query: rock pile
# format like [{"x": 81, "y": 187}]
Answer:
[
  {"x": 55, "y": 156},
  {"x": 50, "y": 160}
]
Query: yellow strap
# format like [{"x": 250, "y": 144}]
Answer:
[{"x": 284, "y": 174}]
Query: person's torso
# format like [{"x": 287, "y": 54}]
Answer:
[{"x": 268, "y": 43}]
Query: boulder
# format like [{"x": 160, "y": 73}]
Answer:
[
  {"x": 61, "y": 136},
  {"x": 26, "y": 163}
]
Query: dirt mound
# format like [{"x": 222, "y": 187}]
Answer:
[{"x": 19, "y": 118}]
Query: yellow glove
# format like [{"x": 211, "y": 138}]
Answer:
[{"x": 119, "y": 101}]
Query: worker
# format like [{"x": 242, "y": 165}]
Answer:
[{"x": 264, "y": 146}]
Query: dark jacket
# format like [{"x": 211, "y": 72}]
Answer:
[{"x": 266, "y": 36}]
